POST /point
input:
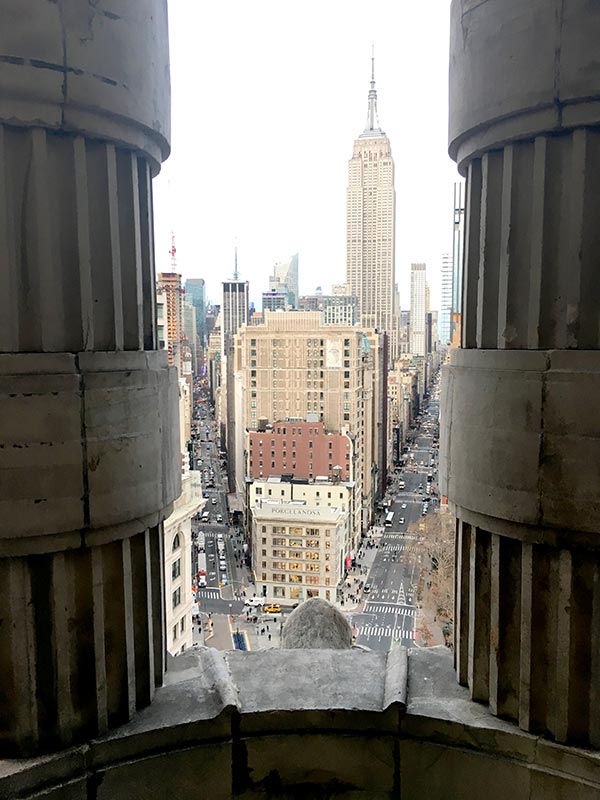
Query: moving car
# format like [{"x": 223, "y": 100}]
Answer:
[
  {"x": 255, "y": 602},
  {"x": 367, "y": 588},
  {"x": 401, "y": 520},
  {"x": 273, "y": 608},
  {"x": 219, "y": 518},
  {"x": 214, "y": 501},
  {"x": 403, "y": 505}
]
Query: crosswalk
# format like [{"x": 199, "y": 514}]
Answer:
[
  {"x": 386, "y": 632},
  {"x": 209, "y": 593},
  {"x": 396, "y": 610},
  {"x": 398, "y": 547}
]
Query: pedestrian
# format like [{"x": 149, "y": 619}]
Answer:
[
  {"x": 269, "y": 637},
  {"x": 267, "y": 628}
]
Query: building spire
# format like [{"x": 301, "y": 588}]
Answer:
[
  {"x": 372, "y": 127},
  {"x": 236, "y": 275}
]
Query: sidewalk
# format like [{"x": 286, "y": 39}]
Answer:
[{"x": 428, "y": 627}]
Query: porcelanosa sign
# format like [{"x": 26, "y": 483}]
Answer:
[{"x": 282, "y": 511}]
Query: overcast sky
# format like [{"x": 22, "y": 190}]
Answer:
[{"x": 268, "y": 97}]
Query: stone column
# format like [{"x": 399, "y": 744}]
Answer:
[
  {"x": 88, "y": 411},
  {"x": 521, "y": 428}
]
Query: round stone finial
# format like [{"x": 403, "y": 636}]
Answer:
[{"x": 316, "y": 625}]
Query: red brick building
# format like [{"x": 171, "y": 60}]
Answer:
[{"x": 301, "y": 450}]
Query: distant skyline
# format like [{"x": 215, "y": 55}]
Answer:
[{"x": 267, "y": 101}]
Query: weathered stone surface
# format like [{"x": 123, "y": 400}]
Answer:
[
  {"x": 280, "y": 764},
  {"x": 116, "y": 62},
  {"x": 209, "y": 729},
  {"x": 317, "y": 624},
  {"x": 446, "y": 773}
]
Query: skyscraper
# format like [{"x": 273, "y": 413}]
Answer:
[
  {"x": 458, "y": 238},
  {"x": 234, "y": 311},
  {"x": 196, "y": 289},
  {"x": 446, "y": 301},
  {"x": 285, "y": 280},
  {"x": 418, "y": 309},
  {"x": 370, "y": 226}
]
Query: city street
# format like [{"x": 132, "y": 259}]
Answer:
[
  {"x": 388, "y": 610},
  {"x": 390, "y": 607}
]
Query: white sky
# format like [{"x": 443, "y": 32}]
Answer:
[{"x": 268, "y": 97}]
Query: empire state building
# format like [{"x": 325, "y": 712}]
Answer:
[{"x": 370, "y": 226}]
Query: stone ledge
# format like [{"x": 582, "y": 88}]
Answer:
[{"x": 310, "y": 723}]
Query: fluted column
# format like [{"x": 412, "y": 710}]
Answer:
[
  {"x": 520, "y": 429},
  {"x": 88, "y": 421}
]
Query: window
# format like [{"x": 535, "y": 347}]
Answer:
[
  {"x": 278, "y": 591},
  {"x": 295, "y": 565},
  {"x": 176, "y": 569},
  {"x": 182, "y": 625},
  {"x": 176, "y": 598},
  {"x": 174, "y": 632},
  {"x": 176, "y": 543}
]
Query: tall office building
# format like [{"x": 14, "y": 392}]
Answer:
[
  {"x": 445, "y": 325},
  {"x": 458, "y": 239},
  {"x": 235, "y": 308},
  {"x": 370, "y": 226},
  {"x": 169, "y": 286},
  {"x": 285, "y": 280},
  {"x": 418, "y": 309},
  {"x": 234, "y": 313},
  {"x": 195, "y": 289}
]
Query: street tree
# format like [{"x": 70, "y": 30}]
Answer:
[{"x": 435, "y": 534}]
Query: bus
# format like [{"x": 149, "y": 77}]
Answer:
[{"x": 389, "y": 518}]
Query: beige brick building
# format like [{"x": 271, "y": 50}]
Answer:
[{"x": 292, "y": 367}]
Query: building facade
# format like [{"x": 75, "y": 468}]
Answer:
[
  {"x": 275, "y": 301},
  {"x": 445, "y": 318},
  {"x": 300, "y": 449},
  {"x": 418, "y": 309},
  {"x": 235, "y": 309},
  {"x": 284, "y": 280},
  {"x": 195, "y": 289},
  {"x": 371, "y": 227},
  {"x": 295, "y": 368},
  {"x": 169, "y": 285},
  {"x": 300, "y": 538},
  {"x": 335, "y": 309},
  {"x": 458, "y": 245}
]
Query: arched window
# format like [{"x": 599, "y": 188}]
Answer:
[{"x": 176, "y": 543}]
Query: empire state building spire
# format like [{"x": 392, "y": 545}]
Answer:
[{"x": 372, "y": 128}]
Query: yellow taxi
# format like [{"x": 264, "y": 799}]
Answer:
[{"x": 272, "y": 608}]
